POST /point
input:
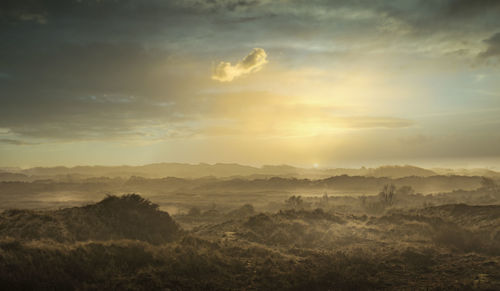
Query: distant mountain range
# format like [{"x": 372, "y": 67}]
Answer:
[{"x": 227, "y": 170}]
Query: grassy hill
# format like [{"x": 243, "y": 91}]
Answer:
[{"x": 125, "y": 217}]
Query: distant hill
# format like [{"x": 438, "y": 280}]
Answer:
[
  {"x": 10, "y": 169},
  {"x": 400, "y": 172},
  {"x": 151, "y": 171},
  {"x": 228, "y": 170},
  {"x": 6, "y": 176},
  {"x": 468, "y": 172}
]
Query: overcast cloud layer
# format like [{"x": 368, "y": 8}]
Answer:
[{"x": 329, "y": 82}]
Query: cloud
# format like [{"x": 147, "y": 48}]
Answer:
[
  {"x": 96, "y": 91},
  {"x": 253, "y": 62},
  {"x": 306, "y": 125},
  {"x": 374, "y": 122},
  {"x": 217, "y": 5},
  {"x": 493, "y": 48},
  {"x": 15, "y": 142},
  {"x": 471, "y": 8},
  {"x": 267, "y": 114}
]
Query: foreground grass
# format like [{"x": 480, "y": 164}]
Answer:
[
  {"x": 126, "y": 243},
  {"x": 196, "y": 264}
]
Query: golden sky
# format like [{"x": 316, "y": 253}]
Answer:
[{"x": 334, "y": 83}]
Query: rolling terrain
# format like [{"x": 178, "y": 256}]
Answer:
[{"x": 418, "y": 232}]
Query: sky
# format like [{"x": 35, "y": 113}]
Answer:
[{"x": 333, "y": 83}]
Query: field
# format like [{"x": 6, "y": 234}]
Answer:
[{"x": 338, "y": 233}]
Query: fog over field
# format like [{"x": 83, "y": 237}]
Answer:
[
  {"x": 273, "y": 227},
  {"x": 249, "y": 145}
]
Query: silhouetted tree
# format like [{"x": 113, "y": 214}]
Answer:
[
  {"x": 387, "y": 194},
  {"x": 294, "y": 202},
  {"x": 363, "y": 200},
  {"x": 325, "y": 198}
]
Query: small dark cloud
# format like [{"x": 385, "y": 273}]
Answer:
[
  {"x": 467, "y": 8},
  {"x": 16, "y": 142},
  {"x": 243, "y": 19},
  {"x": 228, "y": 5},
  {"x": 449, "y": 17},
  {"x": 493, "y": 49},
  {"x": 12, "y": 11}
]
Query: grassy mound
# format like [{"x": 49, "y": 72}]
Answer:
[{"x": 126, "y": 217}]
